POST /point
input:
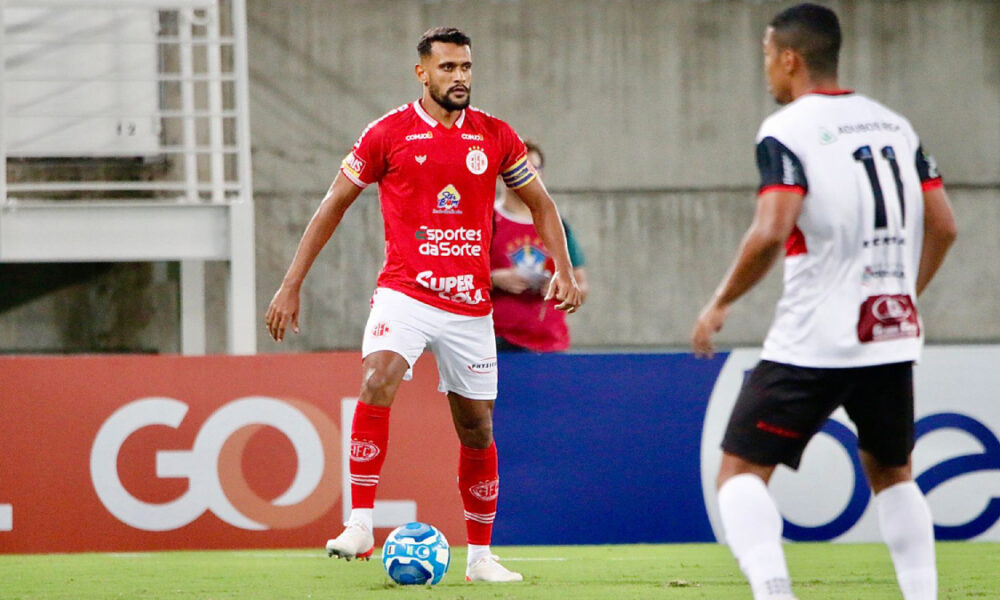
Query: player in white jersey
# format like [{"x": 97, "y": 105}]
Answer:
[{"x": 860, "y": 212}]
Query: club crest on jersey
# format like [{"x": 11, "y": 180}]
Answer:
[
  {"x": 447, "y": 201},
  {"x": 476, "y": 160}
]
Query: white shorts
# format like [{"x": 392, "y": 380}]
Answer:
[{"x": 465, "y": 347}]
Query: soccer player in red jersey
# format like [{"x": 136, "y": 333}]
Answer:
[
  {"x": 436, "y": 161},
  {"x": 857, "y": 207}
]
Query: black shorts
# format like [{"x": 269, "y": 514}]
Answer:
[{"x": 781, "y": 407}]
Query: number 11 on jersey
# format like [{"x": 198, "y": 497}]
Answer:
[{"x": 866, "y": 157}]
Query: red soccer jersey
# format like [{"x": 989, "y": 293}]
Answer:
[
  {"x": 436, "y": 187},
  {"x": 526, "y": 319}
]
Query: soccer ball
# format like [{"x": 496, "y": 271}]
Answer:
[{"x": 416, "y": 553}]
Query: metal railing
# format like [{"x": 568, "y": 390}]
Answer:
[
  {"x": 178, "y": 99},
  {"x": 125, "y": 136}
]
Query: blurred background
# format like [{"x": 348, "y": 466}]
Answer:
[{"x": 646, "y": 109}]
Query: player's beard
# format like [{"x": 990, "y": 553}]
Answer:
[{"x": 445, "y": 101}]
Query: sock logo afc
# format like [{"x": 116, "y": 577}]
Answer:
[
  {"x": 363, "y": 450},
  {"x": 486, "y": 491}
]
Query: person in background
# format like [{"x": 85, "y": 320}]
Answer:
[{"x": 521, "y": 270}]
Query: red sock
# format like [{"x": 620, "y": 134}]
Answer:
[
  {"x": 369, "y": 440},
  {"x": 479, "y": 483}
]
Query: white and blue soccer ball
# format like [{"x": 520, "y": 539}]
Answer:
[{"x": 415, "y": 554}]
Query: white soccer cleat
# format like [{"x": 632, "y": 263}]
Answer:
[
  {"x": 356, "y": 541},
  {"x": 488, "y": 569}
]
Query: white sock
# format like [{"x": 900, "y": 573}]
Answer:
[
  {"x": 476, "y": 552},
  {"x": 908, "y": 529},
  {"x": 365, "y": 516},
  {"x": 752, "y": 526}
]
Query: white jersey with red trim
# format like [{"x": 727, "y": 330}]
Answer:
[
  {"x": 436, "y": 188},
  {"x": 851, "y": 264}
]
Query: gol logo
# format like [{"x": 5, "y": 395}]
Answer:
[{"x": 213, "y": 465}]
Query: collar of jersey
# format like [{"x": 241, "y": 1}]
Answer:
[
  {"x": 837, "y": 92},
  {"x": 423, "y": 114}
]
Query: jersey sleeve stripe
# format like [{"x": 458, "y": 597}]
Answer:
[
  {"x": 932, "y": 184},
  {"x": 353, "y": 179},
  {"x": 778, "y": 187}
]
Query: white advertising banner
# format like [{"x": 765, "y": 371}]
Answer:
[{"x": 956, "y": 460}]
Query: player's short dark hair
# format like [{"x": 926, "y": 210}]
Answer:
[
  {"x": 534, "y": 147},
  {"x": 814, "y": 32},
  {"x": 448, "y": 35}
]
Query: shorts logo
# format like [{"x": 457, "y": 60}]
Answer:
[
  {"x": 363, "y": 450},
  {"x": 476, "y": 160},
  {"x": 483, "y": 366},
  {"x": 420, "y": 158},
  {"x": 486, "y": 490},
  {"x": 447, "y": 201},
  {"x": 380, "y": 329}
]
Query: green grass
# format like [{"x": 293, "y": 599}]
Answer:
[{"x": 683, "y": 571}]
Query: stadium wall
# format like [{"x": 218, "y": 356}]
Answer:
[
  {"x": 647, "y": 112},
  {"x": 129, "y": 453}
]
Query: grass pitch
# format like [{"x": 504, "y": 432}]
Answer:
[{"x": 682, "y": 571}]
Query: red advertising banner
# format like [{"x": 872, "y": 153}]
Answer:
[{"x": 122, "y": 453}]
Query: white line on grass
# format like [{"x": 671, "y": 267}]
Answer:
[{"x": 531, "y": 559}]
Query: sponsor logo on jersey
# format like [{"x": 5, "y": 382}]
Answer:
[
  {"x": 420, "y": 158},
  {"x": 483, "y": 365},
  {"x": 887, "y": 317},
  {"x": 447, "y": 201},
  {"x": 380, "y": 329},
  {"x": 486, "y": 490},
  {"x": 363, "y": 450},
  {"x": 886, "y": 240},
  {"x": 879, "y": 272},
  {"x": 427, "y": 135},
  {"x": 826, "y": 136},
  {"x": 867, "y": 127},
  {"x": 456, "y": 288},
  {"x": 459, "y": 241},
  {"x": 353, "y": 165},
  {"x": 473, "y": 137},
  {"x": 476, "y": 160}
]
